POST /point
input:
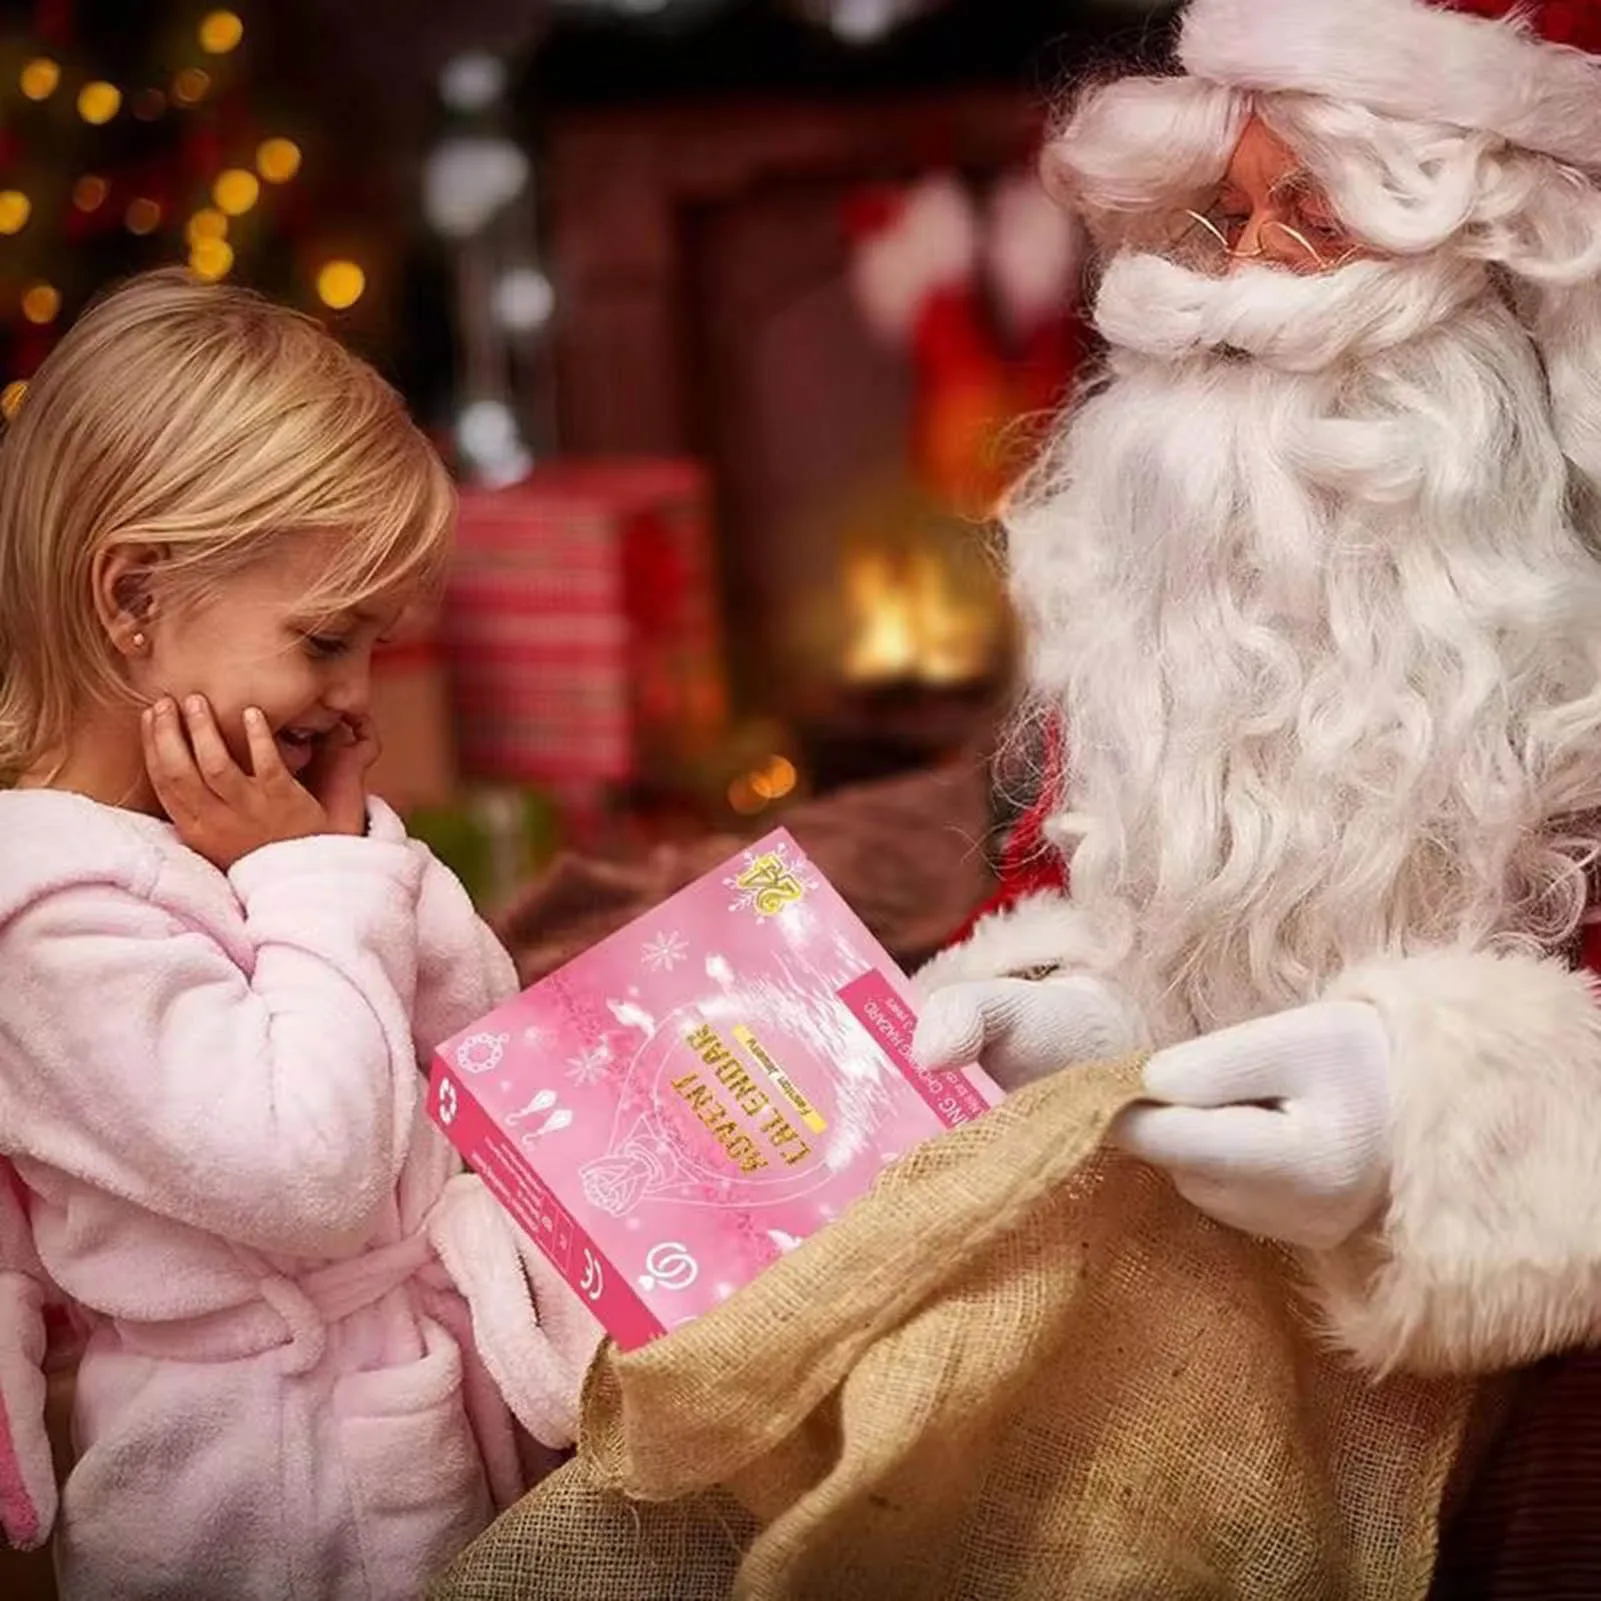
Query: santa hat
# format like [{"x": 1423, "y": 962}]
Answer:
[{"x": 1527, "y": 70}]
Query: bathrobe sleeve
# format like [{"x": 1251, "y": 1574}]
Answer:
[
  {"x": 27, "y": 1473},
  {"x": 463, "y": 971},
  {"x": 261, "y": 1086}
]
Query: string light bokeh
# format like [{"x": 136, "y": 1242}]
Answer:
[
  {"x": 169, "y": 157},
  {"x": 340, "y": 284}
]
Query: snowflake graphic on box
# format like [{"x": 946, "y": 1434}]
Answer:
[
  {"x": 768, "y": 880},
  {"x": 665, "y": 952},
  {"x": 590, "y": 1066}
]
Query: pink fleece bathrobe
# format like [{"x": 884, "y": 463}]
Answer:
[{"x": 310, "y": 1332}]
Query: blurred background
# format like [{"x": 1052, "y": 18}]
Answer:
[{"x": 734, "y": 318}]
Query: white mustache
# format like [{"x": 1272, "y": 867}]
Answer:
[{"x": 1297, "y": 323}]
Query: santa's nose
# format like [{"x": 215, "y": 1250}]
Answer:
[{"x": 1266, "y": 239}]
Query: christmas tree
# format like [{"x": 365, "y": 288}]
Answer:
[{"x": 131, "y": 137}]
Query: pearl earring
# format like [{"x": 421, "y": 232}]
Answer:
[{"x": 139, "y": 641}]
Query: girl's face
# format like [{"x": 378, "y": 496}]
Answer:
[{"x": 253, "y": 642}]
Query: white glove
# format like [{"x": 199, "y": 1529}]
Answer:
[
  {"x": 1279, "y": 1128},
  {"x": 1019, "y": 1030}
]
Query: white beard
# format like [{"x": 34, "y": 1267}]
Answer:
[{"x": 1301, "y": 582}]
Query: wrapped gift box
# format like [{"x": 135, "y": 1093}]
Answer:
[
  {"x": 411, "y": 708},
  {"x": 581, "y": 625}
]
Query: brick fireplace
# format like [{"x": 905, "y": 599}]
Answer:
[{"x": 701, "y": 264}]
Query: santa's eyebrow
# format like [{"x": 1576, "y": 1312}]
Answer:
[{"x": 1299, "y": 182}]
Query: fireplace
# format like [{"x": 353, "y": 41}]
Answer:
[
  {"x": 706, "y": 309},
  {"x": 909, "y": 619}
]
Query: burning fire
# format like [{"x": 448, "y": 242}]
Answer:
[{"x": 909, "y": 620}]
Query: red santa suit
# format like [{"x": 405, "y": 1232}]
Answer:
[{"x": 1484, "y": 1254}]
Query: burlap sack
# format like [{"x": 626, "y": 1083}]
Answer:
[{"x": 1021, "y": 1368}]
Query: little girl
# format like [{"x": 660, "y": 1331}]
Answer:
[{"x": 222, "y": 964}]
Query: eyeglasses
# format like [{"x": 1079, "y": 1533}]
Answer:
[{"x": 1299, "y": 232}]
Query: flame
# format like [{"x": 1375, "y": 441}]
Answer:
[
  {"x": 883, "y": 642},
  {"x": 909, "y": 620}
]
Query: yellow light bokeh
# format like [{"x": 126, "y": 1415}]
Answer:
[
  {"x": 89, "y": 192},
  {"x": 207, "y": 223},
  {"x": 776, "y": 780},
  {"x": 190, "y": 86},
  {"x": 278, "y": 160},
  {"x": 41, "y": 303},
  {"x": 220, "y": 32},
  {"x": 12, "y": 396},
  {"x": 340, "y": 284},
  {"x": 142, "y": 216},
  {"x": 99, "y": 102},
  {"x": 743, "y": 799},
  {"x": 40, "y": 78},
  {"x": 210, "y": 258},
  {"x": 15, "y": 209},
  {"x": 236, "y": 191}
]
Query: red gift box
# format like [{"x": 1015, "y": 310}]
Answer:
[
  {"x": 581, "y": 625},
  {"x": 411, "y": 709}
]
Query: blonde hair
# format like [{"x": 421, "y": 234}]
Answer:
[{"x": 206, "y": 423}]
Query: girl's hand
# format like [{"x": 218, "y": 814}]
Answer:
[
  {"x": 220, "y": 810},
  {"x": 337, "y": 775}
]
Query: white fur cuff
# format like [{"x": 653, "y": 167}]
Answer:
[
  {"x": 1408, "y": 59},
  {"x": 1038, "y": 932},
  {"x": 1490, "y": 1253}
]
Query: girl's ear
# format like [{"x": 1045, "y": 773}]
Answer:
[{"x": 125, "y": 596}]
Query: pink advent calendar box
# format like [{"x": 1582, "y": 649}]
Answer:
[{"x": 691, "y": 1098}]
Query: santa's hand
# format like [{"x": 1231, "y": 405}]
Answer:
[
  {"x": 1278, "y": 1128},
  {"x": 1019, "y": 1030}
]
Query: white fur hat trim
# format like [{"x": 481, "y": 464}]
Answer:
[{"x": 1406, "y": 58}]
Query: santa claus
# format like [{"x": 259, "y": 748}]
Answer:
[{"x": 1311, "y": 580}]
